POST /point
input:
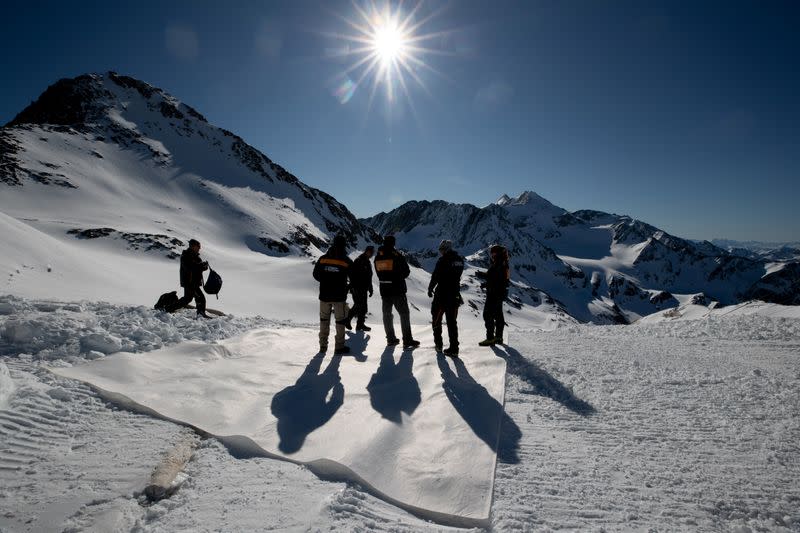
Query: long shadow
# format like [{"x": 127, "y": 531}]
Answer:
[
  {"x": 485, "y": 416},
  {"x": 304, "y": 406},
  {"x": 543, "y": 383},
  {"x": 393, "y": 389},
  {"x": 357, "y": 341}
]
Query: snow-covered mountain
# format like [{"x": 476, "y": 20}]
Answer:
[
  {"x": 770, "y": 251},
  {"x": 598, "y": 266},
  {"x": 106, "y": 169}
]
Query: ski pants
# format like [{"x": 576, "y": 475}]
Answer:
[
  {"x": 399, "y": 302},
  {"x": 339, "y": 311},
  {"x": 192, "y": 293},
  {"x": 493, "y": 315},
  {"x": 359, "y": 309},
  {"x": 450, "y": 313}
]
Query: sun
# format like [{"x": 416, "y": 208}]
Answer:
[{"x": 388, "y": 45}]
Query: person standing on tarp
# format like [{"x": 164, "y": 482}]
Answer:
[
  {"x": 191, "y": 274},
  {"x": 496, "y": 284},
  {"x": 445, "y": 289},
  {"x": 392, "y": 269},
  {"x": 361, "y": 286},
  {"x": 333, "y": 271}
]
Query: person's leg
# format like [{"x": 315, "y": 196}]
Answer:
[
  {"x": 200, "y": 301},
  {"x": 388, "y": 319},
  {"x": 360, "y": 306},
  {"x": 451, "y": 315},
  {"x": 325, "y": 309},
  {"x": 499, "y": 321},
  {"x": 340, "y": 314},
  {"x": 488, "y": 318},
  {"x": 437, "y": 313},
  {"x": 186, "y": 299},
  {"x": 401, "y": 303}
]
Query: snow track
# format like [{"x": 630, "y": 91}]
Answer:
[{"x": 698, "y": 434}]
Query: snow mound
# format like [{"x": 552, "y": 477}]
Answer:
[{"x": 420, "y": 431}]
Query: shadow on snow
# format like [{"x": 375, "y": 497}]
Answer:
[
  {"x": 485, "y": 416},
  {"x": 303, "y": 407},
  {"x": 543, "y": 383},
  {"x": 393, "y": 389}
]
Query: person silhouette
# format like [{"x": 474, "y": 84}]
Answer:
[
  {"x": 393, "y": 389},
  {"x": 303, "y": 407}
]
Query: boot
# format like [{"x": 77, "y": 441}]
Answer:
[
  {"x": 498, "y": 336},
  {"x": 410, "y": 344},
  {"x": 342, "y": 350},
  {"x": 489, "y": 340},
  {"x": 451, "y": 351}
]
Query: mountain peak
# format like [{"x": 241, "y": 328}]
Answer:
[
  {"x": 525, "y": 198},
  {"x": 87, "y": 99},
  {"x": 503, "y": 200}
]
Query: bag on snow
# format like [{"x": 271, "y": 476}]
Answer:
[
  {"x": 167, "y": 301},
  {"x": 213, "y": 283}
]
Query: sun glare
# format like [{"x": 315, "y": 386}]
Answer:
[{"x": 387, "y": 44}]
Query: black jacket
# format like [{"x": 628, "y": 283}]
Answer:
[
  {"x": 192, "y": 268},
  {"x": 361, "y": 277},
  {"x": 392, "y": 270},
  {"x": 333, "y": 271},
  {"x": 496, "y": 279},
  {"x": 446, "y": 277}
]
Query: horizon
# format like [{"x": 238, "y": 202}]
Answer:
[{"x": 467, "y": 102}]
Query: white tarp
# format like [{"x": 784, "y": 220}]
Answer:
[{"x": 421, "y": 431}]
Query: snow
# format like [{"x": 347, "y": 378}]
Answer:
[
  {"x": 382, "y": 417},
  {"x": 678, "y": 424}
]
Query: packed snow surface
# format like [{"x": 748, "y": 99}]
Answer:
[{"x": 680, "y": 424}]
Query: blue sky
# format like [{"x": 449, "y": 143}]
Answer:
[{"x": 684, "y": 114}]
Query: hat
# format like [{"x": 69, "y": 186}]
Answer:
[
  {"x": 194, "y": 242},
  {"x": 389, "y": 241},
  {"x": 369, "y": 248},
  {"x": 446, "y": 245},
  {"x": 339, "y": 241}
]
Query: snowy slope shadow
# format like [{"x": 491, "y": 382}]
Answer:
[
  {"x": 480, "y": 410},
  {"x": 303, "y": 407},
  {"x": 543, "y": 383},
  {"x": 393, "y": 389}
]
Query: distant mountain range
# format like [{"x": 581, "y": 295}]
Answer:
[
  {"x": 104, "y": 169},
  {"x": 599, "y": 266},
  {"x": 771, "y": 251}
]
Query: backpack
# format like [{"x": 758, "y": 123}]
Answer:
[
  {"x": 167, "y": 301},
  {"x": 213, "y": 283}
]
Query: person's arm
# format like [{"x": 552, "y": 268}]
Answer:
[
  {"x": 317, "y": 271},
  {"x": 404, "y": 270},
  {"x": 435, "y": 278}
]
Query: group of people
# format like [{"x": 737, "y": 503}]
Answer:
[{"x": 337, "y": 275}]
